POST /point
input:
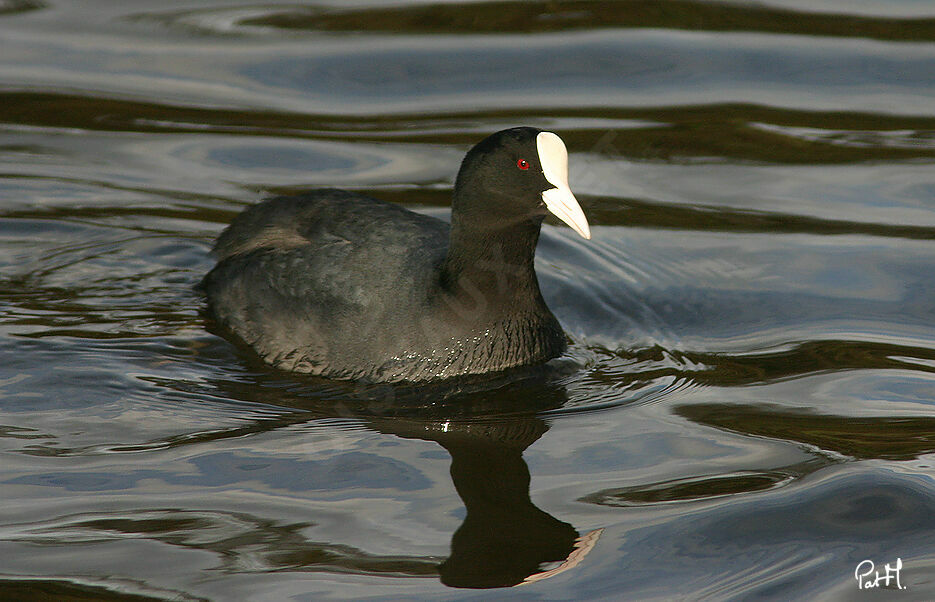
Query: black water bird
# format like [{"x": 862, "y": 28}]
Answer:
[{"x": 345, "y": 286}]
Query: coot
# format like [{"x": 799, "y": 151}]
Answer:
[{"x": 345, "y": 286}]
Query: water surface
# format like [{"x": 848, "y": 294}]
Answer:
[{"x": 746, "y": 409}]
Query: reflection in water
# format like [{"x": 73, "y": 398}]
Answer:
[
  {"x": 812, "y": 357},
  {"x": 504, "y": 540},
  {"x": 563, "y": 15},
  {"x": 885, "y": 438},
  {"x": 9, "y": 7},
  {"x": 83, "y": 590},
  {"x": 739, "y": 131},
  {"x": 696, "y": 488},
  {"x": 242, "y": 542}
]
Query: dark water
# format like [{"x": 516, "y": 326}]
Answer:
[{"x": 746, "y": 410}]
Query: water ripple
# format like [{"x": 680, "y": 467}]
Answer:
[{"x": 539, "y": 16}]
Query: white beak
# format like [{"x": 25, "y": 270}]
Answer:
[{"x": 559, "y": 200}]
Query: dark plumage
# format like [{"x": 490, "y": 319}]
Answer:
[{"x": 345, "y": 286}]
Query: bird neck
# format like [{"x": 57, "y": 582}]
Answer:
[{"x": 493, "y": 259}]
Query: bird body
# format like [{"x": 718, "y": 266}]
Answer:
[{"x": 341, "y": 285}]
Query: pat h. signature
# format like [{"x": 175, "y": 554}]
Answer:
[{"x": 868, "y": 577}]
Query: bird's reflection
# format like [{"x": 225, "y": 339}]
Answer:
[{"x": 505, "y": 539}]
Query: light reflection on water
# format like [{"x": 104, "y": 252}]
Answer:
[{"x": 746, "y": 408}]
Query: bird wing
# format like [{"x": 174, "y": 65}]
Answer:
[{"x": 300, "y": 275}]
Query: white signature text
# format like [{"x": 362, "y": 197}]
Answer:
[{"x": 868, "y": 577}]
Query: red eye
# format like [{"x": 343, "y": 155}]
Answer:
[{"x": 522, "y": 164}]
